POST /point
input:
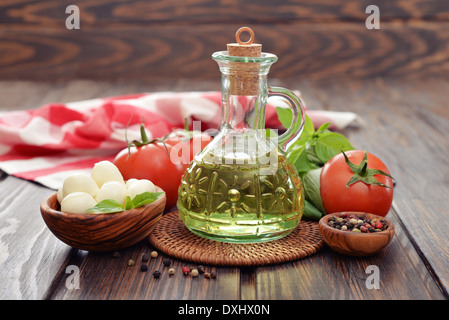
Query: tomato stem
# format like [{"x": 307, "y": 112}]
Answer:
[
  {"x": 145, "y": 141},
  {"x": 364, "y": 170},
  {"x": 143, "y": 134},
  {"x": 362, "y": 173}
]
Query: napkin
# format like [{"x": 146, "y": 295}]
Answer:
[{"x": 49, "y": 143}]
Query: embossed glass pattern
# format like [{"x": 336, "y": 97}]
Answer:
[{"x": 241, "y": 188}]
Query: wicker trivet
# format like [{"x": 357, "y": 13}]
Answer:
[{"x": 171, "y": 237}]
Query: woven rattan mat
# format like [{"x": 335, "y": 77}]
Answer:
[{"x": 171, "y": 237}]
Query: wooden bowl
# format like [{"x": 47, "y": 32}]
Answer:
[
  {"x": 102, "y": 232},
  {"x": 352, "y": 243}
]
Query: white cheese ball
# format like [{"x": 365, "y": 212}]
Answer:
[
  {"x": 105, "y": 171},
  {"x": 79, "y": 183},
  {"x": 59, "y": 195},
  {"x": 77, "y": 202},
  {"x": 140, "y": 186},
  {"x": 114, "y": 190},
  {"x": 130, "y": 182}
]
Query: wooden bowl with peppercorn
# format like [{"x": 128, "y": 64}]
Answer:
[
  {"x": 102, "y": 232},
  {"x": 356, "y": 233}
]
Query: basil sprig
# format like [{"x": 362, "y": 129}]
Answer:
[{"x": 112, "y": 206}]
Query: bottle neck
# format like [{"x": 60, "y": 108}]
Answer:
[{"x": 243, "y": 102}]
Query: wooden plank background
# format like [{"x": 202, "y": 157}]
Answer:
[{"x": 157, "y": 40}]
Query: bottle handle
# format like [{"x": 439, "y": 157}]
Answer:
[{"x": 298, "y": 110}]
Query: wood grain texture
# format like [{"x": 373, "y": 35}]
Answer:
[
  {"x": 346, "y": 277},
  {"x": 106, "y": 277},
  {"x": 30, "y": 256},
  {"x": 172, "y": 52},
  {"x": 403, "y": 121},
  {"x": 155, "y": 40},
  {"x": 47, "y": 12}
]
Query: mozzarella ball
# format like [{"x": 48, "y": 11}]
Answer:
[
  {"x": 79, "y": 183},
  {"x": 112, "y": 190},
  {"x": 59, "y": 195},
  {"x": 77, "y": 202},
  {"x": 140, "y": 186},
  {"x": 105, "y": 171},
  {"x": 130, "y": 182}
]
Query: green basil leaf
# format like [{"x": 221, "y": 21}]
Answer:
[
  {"x": 107, "y": 206},
  {"x": 129, "y": 204},
  {"x": 329, "y": 144},
  {"x": 284, "y": 116},
  {"x": 307, "y": 131},
  {"x": 311, "y": 212},
  {"x": 311, "y": 154},
  {"x": 323, "y": 128},
  {"x": 298, "y": 157},
  {"x": 145, "y": 198},
  {"x": 312, "y": 188}
]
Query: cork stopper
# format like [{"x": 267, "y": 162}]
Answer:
[
  {"x": 244, "y": 78},
  {"x": 244, "y": 48}
]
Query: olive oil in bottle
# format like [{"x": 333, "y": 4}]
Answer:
[{"x": 236, "y": 203}]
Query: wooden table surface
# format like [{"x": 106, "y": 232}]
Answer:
[{"x": 404, "y": 121}]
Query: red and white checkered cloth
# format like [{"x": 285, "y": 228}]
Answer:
[{"x": 51, "y": 142}]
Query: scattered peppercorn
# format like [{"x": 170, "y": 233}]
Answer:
[
  {"x": 116, "y": 254},
  {"x": 156, "y": 274},
  {"x": 131, "y": 262},
  {"x": 154, "y": 254},
  {"x": 201, "y": 269},
  {"x": 206, "y": 274},
  {"x": 194, "y": 272},
  {"x": 213, "y": 275},
  {"x": 357, "y": 223},
  {"x": 167, "y": 262},
  {"x": 145, "y": 258},
  {"x": 171, "y": 271},
  {"x": 143, "y": 267},
  {"x": 186, "y": 270}
]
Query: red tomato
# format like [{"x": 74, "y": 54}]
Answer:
[
  {"x": 163, "y": 164},
  {"x": 152, "y": 161},
  {"x": 187, "y": 144},
  {"x": 358, "y": 196}
]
